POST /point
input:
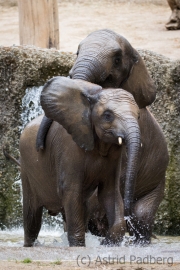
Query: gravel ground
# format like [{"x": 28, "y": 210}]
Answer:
[{"x": 142, "y": 24}]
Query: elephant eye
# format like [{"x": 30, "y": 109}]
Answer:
[
  {"x": 108, "y": 116},
  {"x": 117, "y": 61}
]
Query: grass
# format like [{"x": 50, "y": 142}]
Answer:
[
  {"x": 27, "y": 260},
  {"x": 58, "y": 262}
]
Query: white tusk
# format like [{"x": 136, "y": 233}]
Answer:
[{"x": 120, "y": 140}]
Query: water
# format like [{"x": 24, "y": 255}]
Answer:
[
  {"x": 164, "y": 248},
  {"x": 31, "y": 106},
  {"x": 56, "y": 237},
  {"x": 47, "y": 237}
]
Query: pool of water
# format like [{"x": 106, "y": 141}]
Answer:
[
  {"x": 47, "y": 237},
  {"x": 52, "y": 244},
  {"x": 57, "y": 237}
]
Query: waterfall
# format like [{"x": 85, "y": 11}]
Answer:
[{"x": 31, "y": 106}]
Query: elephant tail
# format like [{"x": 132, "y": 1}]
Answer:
[{"x": 8, "y": 156}]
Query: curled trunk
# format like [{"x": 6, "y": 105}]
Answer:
[{"x": 89, "y": 68}]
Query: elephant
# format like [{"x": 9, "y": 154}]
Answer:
[
  {"x": 99, "y": 138},
  {"x": 174, "y": 20},
  {"x": 107, "y": 59}
]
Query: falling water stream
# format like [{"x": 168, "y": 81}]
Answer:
[{"x": 52, "y": 235}]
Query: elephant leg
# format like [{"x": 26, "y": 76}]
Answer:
[
  {"x": 114, "y": 209},
  {"x": 95, "y": 217},
  {"x": 140, "y": 225},
  {"x": 75, "y": 220},
  {"x": 32, "y": 214},
  {"x": 174, "y": 20},
  {"x": 178, "y": 4},
  {"x": 172, "y": 4}
]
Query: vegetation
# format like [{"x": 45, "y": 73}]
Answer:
[{"x": 27, "y": 260}]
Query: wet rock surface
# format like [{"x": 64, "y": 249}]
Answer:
[
  {"x": 166, "y": 109},
  {"x": 22, "y": 67}
]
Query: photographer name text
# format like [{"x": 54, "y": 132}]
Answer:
[{"x": 100, "y": 260}]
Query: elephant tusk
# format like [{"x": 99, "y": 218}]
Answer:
[{"x": 119, "y": 140}]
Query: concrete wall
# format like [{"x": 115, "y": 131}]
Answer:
[{"x": 22, "y": 67}]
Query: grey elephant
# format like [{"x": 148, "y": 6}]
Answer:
[
  {"x": 108, "y": 59},
  {"x": 99, "y": 138},
  {"x": 174, "y": 20}
]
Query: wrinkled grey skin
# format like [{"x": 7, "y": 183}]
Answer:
[
  {"x": 174, "y": 20},
  {"x": 107, "y": 59},
  {"x": 82, "y": 153}
]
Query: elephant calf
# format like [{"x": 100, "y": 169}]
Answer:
[
  {"x": 108, "y": 59},
  {"x": 97, "y": 139}
]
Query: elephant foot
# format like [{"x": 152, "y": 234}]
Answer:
[
  {"x": 115, "y": 235},
  {"x": 28, "y": 244},
  {"x": 29, "y": 241},
  {"x": 74, "y": 242},
  {"x": 77, "y": 244},
  {"x": 98, "y": 227},
  {"x": 172, "y": 26},
  {"x": 174, "y": 22},
  {"x": 112, "y": 242}
]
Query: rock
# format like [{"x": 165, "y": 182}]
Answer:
[
  {"x": 166, "y": 109},
  {"x": 20, "y": 67}
]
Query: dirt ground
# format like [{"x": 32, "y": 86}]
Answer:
[
  {"x": 6, "y": 265},
  {"x": 142, "y": 24}
]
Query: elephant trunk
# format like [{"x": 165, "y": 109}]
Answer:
[
  {"x": 133, "y": 140},
  {"x": 82, "y": 72},
  {"x": 85, "y": 67}
]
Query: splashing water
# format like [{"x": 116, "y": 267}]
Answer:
[{"x": 31, "y": 106}]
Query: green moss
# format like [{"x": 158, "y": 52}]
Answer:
[
  {"x": 58, "y": 262},
  {"x": 168, "y": 215},
  {"x": 27, "y": 260}
]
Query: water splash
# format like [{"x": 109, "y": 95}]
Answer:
[{"x": 31, "y": 106}]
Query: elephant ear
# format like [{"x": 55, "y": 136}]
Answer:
[
  {"x": 139, "y": 83},
  {"x": 66, "y": 101}
]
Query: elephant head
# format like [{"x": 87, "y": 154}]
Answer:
[
  {"x": 90, "y": 113},
  {"x": 107, "y": 59}
]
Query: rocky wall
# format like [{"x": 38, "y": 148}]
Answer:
[
  {"x": 166, "y": 109},
  {"x": 22, "y": 67}
]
